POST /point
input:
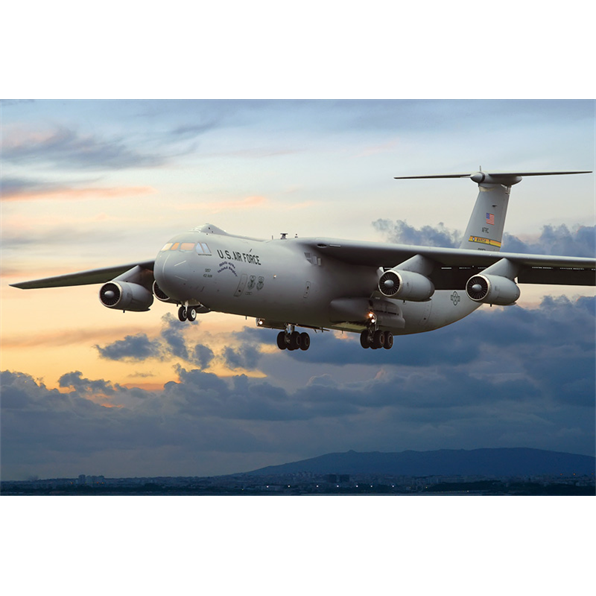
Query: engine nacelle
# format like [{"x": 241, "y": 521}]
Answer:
[
  {"x": 406, "y": 285},
  {"x": 492, "y": 289},
  {"x": 123, "y": 295}
]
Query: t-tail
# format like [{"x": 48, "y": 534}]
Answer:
[{"x": 485, "y": 228}]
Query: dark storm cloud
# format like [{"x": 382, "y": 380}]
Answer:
[
  {"x": 520, "y": 377},
  {"x": 170, "y": 343},
  {"x": 579, "y": 241},
  {"x": 132, "y": 347},
  {"x": 400, "y": 232},
  {"x": 557, "y": 240}
]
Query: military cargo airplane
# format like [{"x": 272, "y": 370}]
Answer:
[{"x": 377, "y": 290}]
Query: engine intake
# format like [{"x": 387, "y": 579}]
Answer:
[
  {"x": 406, "y": 285},
  {"x": 492, "y": 289},
  {"x": 125, "y": 296}
]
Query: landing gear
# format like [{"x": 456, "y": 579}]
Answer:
[
  {"x": 187, "y": 314},
  {"x": 293, "y": 340},
  {"x": 376, "y": 339}
]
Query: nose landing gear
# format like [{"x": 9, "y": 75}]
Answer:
[
  {"x": 293, "y": 340},
  {"x": 187, "y": 313}
]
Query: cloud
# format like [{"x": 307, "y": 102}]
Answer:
[
  {"x": 503, "y": 377},
  {"x": 27, "y": 189},
  {"x": 132, "y": 347},
  {"x": 400, "y": 232},
  {"x": 579, "y": 241},
  {"x": 65, "y": 147},
  {"x": 170, "y": 343}
]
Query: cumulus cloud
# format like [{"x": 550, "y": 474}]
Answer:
[
  {"x": 502, "y": 397},
  {"x": 577, "y": 241},
  {"x": 170, "y": 343},
  {"x": 503, "y": 377},
  {"x": 400, "y": 232},
  {"x": 132, "y": 347},
  {"x": 508, "y": 377}
]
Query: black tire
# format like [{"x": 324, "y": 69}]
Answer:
[
  {"x": 295, "y": 341},
  {"x": 365, "y": 339},
  {"x": 191, "y": 313},
  {"x": 304, "y": 341},
  {"x": 182, "y": 313},
  {"x": 378, "y": 339},
  {"x": 281, "y": 340},
  {"x": 388, "y": 340}
]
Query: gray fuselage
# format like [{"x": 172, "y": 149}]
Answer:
[{"x": 284, "y": 282}]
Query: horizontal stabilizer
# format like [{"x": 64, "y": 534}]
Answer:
[
  {"x": 506, "y": 178},
  {"x": 486, "y": 225}
]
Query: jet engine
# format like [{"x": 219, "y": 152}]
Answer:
[
  {"x": 492, "y": 289},
  {"x": 406, "y": 285},
  {"x": 124, "y": 295}
]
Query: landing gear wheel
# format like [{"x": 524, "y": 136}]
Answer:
[
  {"x": 182, "y": 313},
  {"x": 281, "y": 340},
  {"x": 365, "y": 339},
  {"x": 191, "y": 313},
  {"x": 378, "y": 339},
  {"x": 388, "y": 340},
  {"x": 295, "y": 341},
  {"x": 304, "y": 341}
]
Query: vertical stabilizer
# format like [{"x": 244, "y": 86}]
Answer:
[{"x": 485, "y": 228}]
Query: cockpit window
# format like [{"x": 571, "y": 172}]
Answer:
[{"x": 200, "y": 247}]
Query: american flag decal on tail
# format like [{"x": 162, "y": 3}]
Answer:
[{"x": 490, "y": 219}]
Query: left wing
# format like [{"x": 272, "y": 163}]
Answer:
[
  {"x": 92, "y": 276},
  {"x": 534, "y": 269}
]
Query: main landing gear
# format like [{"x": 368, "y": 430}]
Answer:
[
  {"x": 370, "y": 338},
  {"x": 292, "y": 340}
]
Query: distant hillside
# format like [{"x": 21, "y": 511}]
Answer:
[{"x": 445, "y": 462}]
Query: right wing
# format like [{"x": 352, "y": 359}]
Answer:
[{"x": 534, "y": 269}]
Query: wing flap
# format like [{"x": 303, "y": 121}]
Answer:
[
  {"x": 81, "y": 278},
  {"x": 558, "y": 276}
]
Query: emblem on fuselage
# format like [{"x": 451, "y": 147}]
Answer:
[
  {"x": 226, "y": 265},
  {"x": 455, "y": 298}
]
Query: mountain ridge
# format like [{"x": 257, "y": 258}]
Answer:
[{"x": 506, "y": 461}]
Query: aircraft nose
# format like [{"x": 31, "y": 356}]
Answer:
[{"x": 172, "y": 272}]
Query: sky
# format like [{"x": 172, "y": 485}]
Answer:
[{"x": 86, "y": 184}]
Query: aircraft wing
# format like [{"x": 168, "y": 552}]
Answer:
[
  {"x": 92, "y": 276},
  {"x": 536, "y": 269}
]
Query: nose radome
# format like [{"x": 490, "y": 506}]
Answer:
[{"x": 172, "y": 272}]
